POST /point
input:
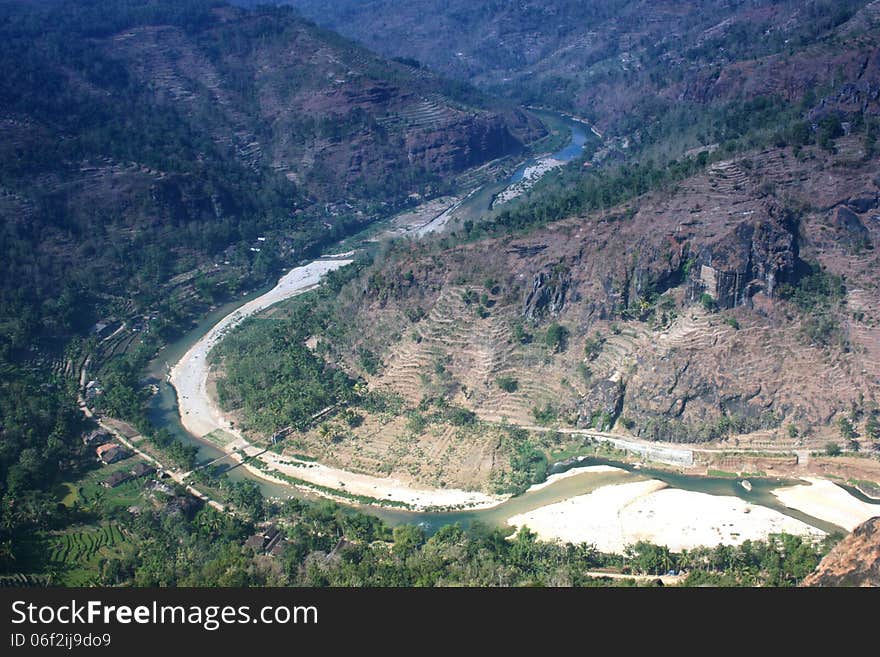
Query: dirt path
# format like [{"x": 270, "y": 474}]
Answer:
[
  {"x": 668, "y": 580},
  {"x": 176, "y": 475}
]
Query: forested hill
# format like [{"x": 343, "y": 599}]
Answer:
[
  {"x": 140, "y": 140},
  {"x": 161, "y": 156},
  {"x": 619, "y": 59}
]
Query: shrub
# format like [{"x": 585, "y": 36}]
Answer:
[
  {"x": 416, "y": 422},
  {"x": 708, "y": 302},
  {"x": 846, "y": 428},
  {"x": 585, "y": 372},
  {"x": 520, "y": 334},
  {"x": 352, "y": 418},
  {"x": 832, "y": 449},
  {"x": 369, "y": 361},
  {"x": 544, "y": 415},
  {"x": 507, "y": 383},
  {"x": 557, "y": 337},
  {"x": 460, "y": 416},
  {"x": 593, "y": 346}
]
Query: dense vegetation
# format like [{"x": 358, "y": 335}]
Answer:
[
  {"x": 111, "y": 187},
  {"x": 329, "y": 546},
  {"x": 269, "y": 372},
  {"x": 117, "y": 202},
  {"x": 39, "y": 446}
]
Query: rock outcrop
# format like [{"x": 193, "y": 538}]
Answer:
[
  {"x": 546, "y": 296},
  {"x": 754, "y": 257},
  {"x": 852, "y": 232},
  {"x": 855, "y": 561}
]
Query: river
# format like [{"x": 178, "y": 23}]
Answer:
[
  {"x": 164, "y": 413},
  {"x": 571, "y": 151},
  {"x": 481, "y": 200}
]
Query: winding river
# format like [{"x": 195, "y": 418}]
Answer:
[{"x": 164, "y": 413}]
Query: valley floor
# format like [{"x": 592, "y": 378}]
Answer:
[{"x": 611, "y": 517}]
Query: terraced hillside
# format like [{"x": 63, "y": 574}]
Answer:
[
  {"x": 684, "y": 320},
  {"x": 735, "y": 308},
  {"x": 614, "y": 61}
]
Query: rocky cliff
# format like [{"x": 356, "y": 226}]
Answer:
[
  {"x": 711, "y": 312},
  {"x": 855, "y": 561}
]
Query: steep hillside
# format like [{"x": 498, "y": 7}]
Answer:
[
  {"x": 708, "y": 276},
  {"x": 616, "y": 61},
  {"x": 718, "y": 307},
  {"x": 141, "y": 140},
  {"x": 855, "y": 561}
]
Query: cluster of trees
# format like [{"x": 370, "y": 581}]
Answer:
[
  {"x": 528, "y": 462},
  {"x": 76, "y": 243},
  {"x": 275, "y": 379},
  {"x": 40, "y": 446},
  {"x": 818, "y": 294},
  {"x": 269, "y": 372},
  {"x": 726, "y": 424},
  {"x": 557, "y": 337},
  {"x": 783, "y": 560},
  {"x": 328, "y": 545}
]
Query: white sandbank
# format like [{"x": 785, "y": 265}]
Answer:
[
  {"x": 531, "y": 175},
  {"x": 827, "y": 501},
  {"x": 613, "y": 517}
]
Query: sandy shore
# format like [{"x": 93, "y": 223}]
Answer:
[
  {"x": 613, "y": 517},
  {"x": 531, "y": 175},
  {"x": 200, "y": 414},
  {"x": 827, "y": 501},
  {"x": 573, "y": 472},
  {"x": 380, "y": 488}
]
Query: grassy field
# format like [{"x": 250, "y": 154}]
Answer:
[{"x": 75, "y": 554}]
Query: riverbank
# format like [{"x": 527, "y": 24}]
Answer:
[
  {"x": 572, "y": 472},
  {"x": 613, "y": 517},
  {"x": 530, "y": 176},
  {"x": 189, "y": 376}
]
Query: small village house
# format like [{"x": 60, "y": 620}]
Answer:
[{"x": 111, "y": 453}]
